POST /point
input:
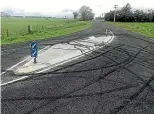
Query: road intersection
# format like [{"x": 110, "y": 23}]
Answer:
[{"x": 117, "y": 78}]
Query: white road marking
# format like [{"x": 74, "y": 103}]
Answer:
[
  {"x": 76, "y": 56},
  {"x": 89, "y": 30},
  {"x": 25, "y": 77},
  {"x": 63, "y": 62},
  {"x": 111, "y": 38},
  {"x": 16, "y": 80},
  {"x": 24, "y": 60}
]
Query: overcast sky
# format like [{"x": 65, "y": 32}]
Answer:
[{"x": 56, "y": 6}]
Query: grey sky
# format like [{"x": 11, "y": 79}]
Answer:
[{"x": 56, "y": 6}]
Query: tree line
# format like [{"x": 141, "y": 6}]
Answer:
[
  {"x": 126, "y": 14},
  {"x": 84, "y": 13}
]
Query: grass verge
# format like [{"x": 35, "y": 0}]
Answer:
[
  {"x": 63, "y": 29},
  {"x": 145, "y": 29}
]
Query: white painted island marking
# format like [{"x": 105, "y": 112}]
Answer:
[
  {"x": 59, "y": 57},
  {"x": 29, "y": 57}
]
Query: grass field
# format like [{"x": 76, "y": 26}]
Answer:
[
  {"x": 146, "y": 29},
  {"x": 42, "y": 28}
]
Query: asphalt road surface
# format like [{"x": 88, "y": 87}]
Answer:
[{"x": 117, "y": 79}]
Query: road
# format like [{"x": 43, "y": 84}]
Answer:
[{"x": 117, "y": 79}]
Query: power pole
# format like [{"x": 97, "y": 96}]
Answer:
[{"x": 115, "y": 7}]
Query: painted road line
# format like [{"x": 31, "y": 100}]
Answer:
[
  {"x": 111, "y": 38},
  {"x": 54, "y": 65},
  {"x": 89, "y": 30},
  {"x": 25, "y": 77},
  {"x": 41, "y": 52},
  {"x": 60, "y": 63},
  {"x": 63, "y": 62},
  {"x": 14, "y": 81}
]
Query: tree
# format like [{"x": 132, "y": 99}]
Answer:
[
  {"x": 126, "y": 12},
  {"x": 138, "y": 15},
  {"x": 153, "y": 15},
  {"x": 109, "y": 16},
  {"x": 86, "y": 13},
  {"x": 150, "y": 15},
  {"x": 75, "y": 15}
]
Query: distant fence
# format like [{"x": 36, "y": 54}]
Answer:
[
  {"x": 29, "y": 29},
  {"x": 26, "y": 30}
]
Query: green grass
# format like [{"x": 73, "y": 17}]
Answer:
[
  {"x": 145, "y": 29},
  {"x": 17, "y": 28}
]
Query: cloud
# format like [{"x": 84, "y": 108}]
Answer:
[
  {"x": 13, "y": 11},
  {"x": 20, "y": 12},
  {"x": 67, "y": 10},
  {"x": 100, "y": 5}
]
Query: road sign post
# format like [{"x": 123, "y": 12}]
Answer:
[
  {"x": 34, "y": 51},
  {"x": 34, "y": 59}
]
